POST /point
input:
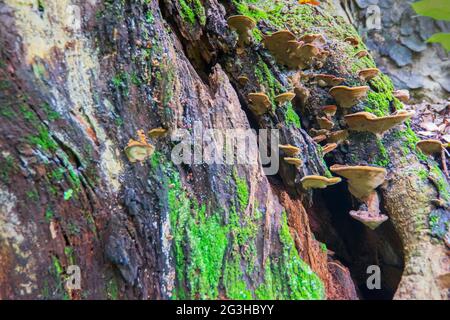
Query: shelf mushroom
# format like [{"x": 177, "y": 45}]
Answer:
[
  {"x": 347, "y": 97},
  {"x": 328, "y": 80},
  {"x": 361, "y": 54},
  {"x": 260, "y": 103},
  {"x": 316, "y": 39},
  {"x": 157, "y": 133},
  {"x": 362, "y": 182},
  {"x": 289, "y": 150},
  {"x": 243, "y": 26},
  {"x": 294, "y": 161},
  {"x": 283, "y": 98},
  {"x": 318, "y": 182},
  {"x": 368, "y": 74},
  {"x": 338, "y": 136},
  {"x": 431, "y": 147},
  {"x": 139, "y": 151},
  {"x": 325, "y": 123},
  {"x": 402, "y": 95},
  {"x": 352, "y": 41},
  {"x": 243, "y": 80},
  {"x": 329, "y": 147},
  {"x": 329, "y": 110},
  {"x": 366, "y": 121}
]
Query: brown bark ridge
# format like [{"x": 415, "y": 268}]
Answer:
[{"x": 78, "y": 79}]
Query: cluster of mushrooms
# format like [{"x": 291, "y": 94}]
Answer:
[
  {"x": 140, "y": 150},
  {"x": 310, "y": 51}
]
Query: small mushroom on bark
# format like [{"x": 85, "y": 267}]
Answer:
[
  {"x": 328, "y": 80},
  {"x": 294, "y": 161},
  {"x": 402, "y": 95},
  {"x": 361, "y": 54},
  {"x": 368, "y": 74},
  {"x": 283, "y": 98},
  {"x": 157, "y": 133},
  {"x": 329, "y": 110},
  {"x": 318, "y": 182},
  {"x": 347, "y": 97},
  {"x": 337, "y": 136},
  {"x": 316, "y": 39},
  {"x": 243, "y": 26},
  {"x": 325, "y": 123},
  {"x": 329, "y": 147},
  {"x": 431, "y": 147},
  {"x": 243, "y": 80},
  {"x": 260, "y": 103},
  {"x": 139, "y": 150},
  {"x": 320, "y": 138},
  {"x": 368, "y": 122},
  {"x": 289, "y": 150},
  {"x": 352, "y": 41},
  {"x": 362, "y": 182},
  {"x": 314, "y": 132}
]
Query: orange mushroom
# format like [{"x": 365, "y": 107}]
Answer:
[{"x": 347, "y": 97}]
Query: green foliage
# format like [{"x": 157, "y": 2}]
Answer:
[
  {"x": 291, "y": 117},
  {"x": 43, "y": 140},
  {"x": 191, "y": 10},
  {"x": 442, "y": 38},
  {"x": 241, "y": 190}
]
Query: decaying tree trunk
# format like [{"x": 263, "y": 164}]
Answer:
[{"x": 78, "y": 79}]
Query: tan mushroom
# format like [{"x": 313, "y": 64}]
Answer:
[
  {"x": 289, "y": 150},
  {"x": 325, "y": 123},
  {"x": 369, "y": 214},
  {"x": 243, "y": 26},
  {"x": 328, "y": 80},
  {"x": 338, "y": 136},
  {"x": 329, "y": 110},
  {"x": 361, "y": 54},
  {"x": 314, "y": 132},
  {"x": 368, "y": 122},
  {"x": 294, "y": 161},
  {"x": 316, "y": 39},
  {"x": 402, "y": 95},
  {"x": 259, "y": 103},
  {"x": 353, "y": 41},
  {"x": 139, "y": 150},
  {"x": 329, "y": 147},
  {"x": 318, "y": 182},
  {"x": 277, "y": 44},
  {"x": 157, "y": 133},
  {"x": 302, "y": 93},
  {"x": 347, "y": 97},
  {"x": 362, "y": 180},
  {"x": 243, "y": 80},
  {"x": 368, "y": 74},
  {"x": 283, "y": 98},
  {"x": 430, "y": 147},
  {"x": 320, "y": 138}
]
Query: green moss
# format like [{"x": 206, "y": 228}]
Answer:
[
  {"x": 382, "y": 158},
  {"x": 291, "y": 117},
  {"x": 266, "y": 78},
  {"x": 112, "y": 289},
  {"x": 43, "y": 140},
  {"x": 241, "y": 191},
  {"x": 191, "y": 10},
  {"x": 7, "y": 112},
  {"x": 440, "y": 182},
  {"x": 7, "y": 167}
]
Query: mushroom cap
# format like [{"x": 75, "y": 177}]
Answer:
[
  {"x": 352, "y": 40},
  {"x": 315, "y": 38},
  {"x": 314, "y": 132},
  {"x": 318, "y": 182},
  {"x": 368, "y": 74},
  {"x": 329, "y": 110},
  {"x": 362, "y": 180},
  {"x": 157, "y": 132},
  {"x": 325, "y": 80},
  {"x": 320, "y": 138},
  {"x": 277, "y": 42},
  {"x": 430, "y": 147},
  {"x": 325, "y": 123},
  {"x": 402, "y": 95},
  {"x": 337, "y": 136},
  {"x": 366, "y": 121},
  {"x": 371, "y": 221},
  {"x": 241, "y": 23},
  {"x": 294, "y": 161},
  {"x": 243, "y": 80},
  {"x": 361, "y": 54},
  {"x": 289, "y": 150},
  {"x": 138, "y": 151},
  {"x": 347, "y": 97},
  {"x": 329, "y": 147},
  {"x": 260, "y": 103},
  {"x": 284, "y": 97}
]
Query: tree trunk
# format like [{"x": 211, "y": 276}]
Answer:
[{"x": 78, "y": 79}]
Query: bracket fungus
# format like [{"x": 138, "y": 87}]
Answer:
[
  {"x": 352, "y": 41},
  {"x": 320, "y": 138},
  {"x": 361, "y": 54},
  {"x": 314, "y": 132},
  {"x": 243, "y": 26},
  {"x": 289, "y": 150},
  {"x": 316, "y": 39},
  {"x": 368, "y": 74},
  {"x": 362, "y": 182},
  {"x": 260, "y": 103},
  {"x": 328, "y": 80},
  {"x": 368, "y": 122},
  {"x": 402, "y": 95},
  {"x": 294, "y": 161},
  {"x": 318, "y": 182},
  {"x": 329, "y": 110},
  {"x": 347, "y": 97},
  {"x": 139, "y": 150},
  {"x": 157, "y": 133},
  {"x": 283, "y": 98},
  {"x": 338, "y": 136},
  {"x": 431, "y": 147},
  {"x": 325, "y": 123},
  {"x": 243, "y": 80},
  {"x": 329, "y": 147}
]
